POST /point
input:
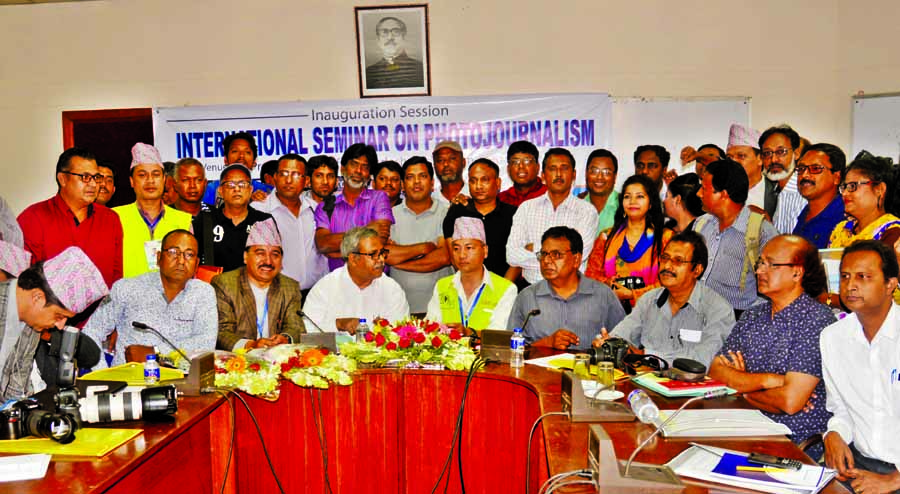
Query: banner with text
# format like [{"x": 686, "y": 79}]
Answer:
[{"x": 398, "y": 128}]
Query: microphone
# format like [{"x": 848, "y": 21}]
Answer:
[
  {"x": 638, "y": 409},
  {"x": 534, "y": 312},
  {"x": 304, "y": 316},
  {"x": 147, "y": 329}
]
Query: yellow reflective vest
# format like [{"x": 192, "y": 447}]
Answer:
[{"x": 448, "y": 298}]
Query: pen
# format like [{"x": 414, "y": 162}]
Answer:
[{"x": 760, "y": 469}]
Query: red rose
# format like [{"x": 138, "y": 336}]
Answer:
[
  {"x": 391, "y": 345},
  {"x": 455, "y": 335},
  {"x": 379, "y": 340},
  {"x": 431, "y": 328},
  {"x": 285, "y": 367},
  {"x": 383, "y": 322},
  {"x": 436, "y": 341},
  {"x": 370, "y": 337},
  {"x": 324, "y": 351},
  {"x": 405, "y": 342},
  {"x": 254, "y": 367},
  {"x": 419, "y": 337}
]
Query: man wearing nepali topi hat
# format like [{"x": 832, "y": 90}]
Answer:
[
  {"x": 258, "y": 306},
  {"x": 742, "y": 147},
  {"x": 147, "y": 219},
  {"x": 473, "y": 298},
  {"x": 42, "y": 298},
  {"x": 13, "y": 260}
]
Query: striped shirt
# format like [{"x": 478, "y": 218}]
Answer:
[
  {"x": 790, "y": 204},
  {"x": 727, "y": 251},
  {"x": 534, "y": 217}
]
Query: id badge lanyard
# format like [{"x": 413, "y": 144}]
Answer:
[{"x": 464, "y": 318}]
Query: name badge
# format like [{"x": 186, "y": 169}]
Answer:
[
  {"x": 691, "y": 335},
  {"x": 151, "y": 248}
]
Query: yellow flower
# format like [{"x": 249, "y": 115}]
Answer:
[{"x": 236, "y": 364}]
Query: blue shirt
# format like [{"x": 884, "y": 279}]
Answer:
[
  {"x": 789, "y": 342},
  {"x": 818, "y": 229}
]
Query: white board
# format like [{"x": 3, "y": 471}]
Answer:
[
  {"x": 672, "y": 123},
  {"x": 876, "y": 125}
]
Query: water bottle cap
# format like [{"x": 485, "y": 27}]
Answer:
[
  {"x": 362, "y": 320},
  {"x": 517, "y": 330},
  {"x": 151, "y": 356}
]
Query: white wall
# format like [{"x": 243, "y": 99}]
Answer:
[{"x": 800, "y": 60}]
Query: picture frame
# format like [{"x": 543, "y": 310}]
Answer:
[{"x": 392, "y": 50}]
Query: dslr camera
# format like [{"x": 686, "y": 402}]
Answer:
[{"x": 613, "y": 350}]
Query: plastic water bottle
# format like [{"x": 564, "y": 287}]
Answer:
[
  {"x": 151, "y": 370},
  {"x": 517, "y": 349},
  {"x": 361, "y": 331},
  {"x": 643, "y": 407}
]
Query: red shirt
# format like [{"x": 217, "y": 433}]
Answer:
[
  {"x": 512, "y": 196},
  {"x": 50, "y": 227}
]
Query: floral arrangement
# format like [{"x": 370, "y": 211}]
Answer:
[
  {"x": 258, "y": 372},
  {"x": 412, "y": 343}
]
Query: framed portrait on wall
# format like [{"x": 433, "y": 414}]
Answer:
[{"x": 392, "y": 50}]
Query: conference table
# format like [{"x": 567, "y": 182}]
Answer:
[{"x": 389, "y": 432}]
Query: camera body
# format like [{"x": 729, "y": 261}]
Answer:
[
  {"x": 26, "y": 418},
  {"x": 613, "y": 350}
]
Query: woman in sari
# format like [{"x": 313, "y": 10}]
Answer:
[
  {"x": 865, "y": 191},
  {"x": 628, "y": 258}
]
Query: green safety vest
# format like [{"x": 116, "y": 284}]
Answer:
[{"x": 448, "y": 298}]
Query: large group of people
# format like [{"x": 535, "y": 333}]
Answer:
[{"x": 720, "y": 265}]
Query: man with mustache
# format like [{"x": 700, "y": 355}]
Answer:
[
  {"x": 388, "y": 179},
  {"x": 107, "y": 185},
  {"x": 683, "y": 318},
  {"x": 448, "y": 165},
  {"x": 171, "y": 301},
  {"x": 147, "y": 220},
  {"x": 652, "y": 160},
  {"x": 772, "y": 355},
  {"x": 257, "y": 304},
  {"x": 558, "y": 207},
  {"x": 819, "y": 173},
  {"x": 230, "y": 222},
  {"x": 396, "y": 69},
  {"x": 358, "y": 289},
  {"x": 779, "y": 148},
  {"x": 238, "y": 148},
  {"x": 190, "y": 182},
  {"x": 356, "y": 205},
  {"x": 742, "y": 142},
  {"x": 418, "y": 225},
  {"x": 322, "y": 173},
  {"x": 71, "y": 218}
]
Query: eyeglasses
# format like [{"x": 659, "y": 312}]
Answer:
[
  {"x": 780, "y": 152},
  {"x": 393, "y": 32},
  {"x": 553, "y": 255},
  {"x": 522, "y": 162},
  {"x": 674, "y": 260},
  {"x": 240, "y": 185},
  {"x": 852, "y": 186},
  {"x": 812, "y": 169},
  {"x": 87, "y": 177},
  {"x": 173, "y": 253},
  {"x": 288, "y": 173},
  {"x": 606, "y": 172},
  {"x": 760, "y": 263},
  {"x": 373, "y": 255}
]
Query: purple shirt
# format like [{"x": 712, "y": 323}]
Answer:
[
  {"x": 371, "y": 205},
  {"x": 787, "y": 343}
]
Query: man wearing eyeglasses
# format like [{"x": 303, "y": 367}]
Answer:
[
  {"x": 772, "y": 355},
  {"x": 779, "y": 148},
  {"x": 358, "y": 289},
  {"x": 602, "y": 167},
  {"x": 258, "y": 306},
  {"x": 183, "y": 309},
  {"x": 683, "y": 318},
  {"x": 523, "y": 168},
  {"x": 395, "y": 68},
  {"x": 230, "y": 222},
  {"x": 147, "y": 219},
  {"x": 818, "y": 177},
  {"x": 72, "y": 218},
  {"x": 295, "y": 216}
]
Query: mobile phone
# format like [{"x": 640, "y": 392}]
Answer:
[{"x": 774, "y": 461}]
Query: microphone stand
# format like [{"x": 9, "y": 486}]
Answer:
[
  {"x": 660, "y": 427},
  {"x": 304, "y": 316},
  {"x": 147, "y": 329}
]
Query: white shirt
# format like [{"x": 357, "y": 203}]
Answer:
[
  {"x": 756, "y": 196},
  {"x": 862, "y": 383},
  {"x": 437, "y": 196},
  {"x": 790, "y": 204},
  {"x": 534, "y": 217},
  {"x": 336, "y": 296},
  {"x": 499, "y": 313},
  {"x": 302, "y": 261}
]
